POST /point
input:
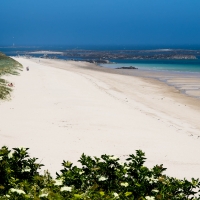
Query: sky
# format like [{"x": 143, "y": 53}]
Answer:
[{"x": 100, "y": 22}]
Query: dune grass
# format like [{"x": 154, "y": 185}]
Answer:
[{"x": 8, "y": 66}]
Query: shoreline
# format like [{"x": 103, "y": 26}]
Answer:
[
  {"x": 62, "y": 109},
  {"x": 167, "y": 76},
  {"x": 164, "y": 76},
  {"x": 145, "y": 76}
]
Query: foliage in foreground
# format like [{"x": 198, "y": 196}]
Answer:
[
  {"x": 7, "y": 66},
  {"x": 98, "y": 178}
]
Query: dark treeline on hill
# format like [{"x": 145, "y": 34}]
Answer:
[{"x": 97, "y": 178}]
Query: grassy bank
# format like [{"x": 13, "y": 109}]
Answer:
[
  {"x": 8, "y": 66},
  {"x": 97, "y": 179}
]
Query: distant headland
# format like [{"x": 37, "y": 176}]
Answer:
[{"x": 105, "y": 56}]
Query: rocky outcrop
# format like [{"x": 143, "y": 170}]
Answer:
[{"x": 127, "y": 67}]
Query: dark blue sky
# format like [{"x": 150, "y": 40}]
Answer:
[{"x": 106, "y": 22}]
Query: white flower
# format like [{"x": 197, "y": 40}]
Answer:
[
  {"x": 126, "y": 167},
  {"x": 7, "y": 195},
  {"x": 58, "y": 182},
  {"x": 115, "y": 195},
  {"x": 10, "y": 155},
  {"x": 17, "y": 191},
  {"x": 43, "y": 195},
  {"x": 20, "y": 192},
  {"x": 154, "y": 190},
  {"x": 43, "y": 190},
  {"x": 81, "y": 172},
  {"x": 151, "y": 179},
  {"x": 149, "y": 198},
  {"x": 27, "y": 169},
  {"x": 102, "y": 178},
  {"x": 1, "y": 157},
  {"x": 113, "y": 158},
  {"x": 66, "y": 188},
  {"x": 124, "y": 184}
]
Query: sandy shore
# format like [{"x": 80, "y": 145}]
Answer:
[{"x": 62, "y": 109}]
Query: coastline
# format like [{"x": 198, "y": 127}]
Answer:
[
  {"x": 62, "y": 109},
  {"x": 187, "y": 82}
]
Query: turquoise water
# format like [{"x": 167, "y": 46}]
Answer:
[{"x": 158, "y": 65}]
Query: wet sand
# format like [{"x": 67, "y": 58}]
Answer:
[{"x": 187, "y": 83}]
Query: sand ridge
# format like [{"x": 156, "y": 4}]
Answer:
[{"x": 62, "y": 109}]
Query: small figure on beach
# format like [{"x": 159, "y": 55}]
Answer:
[
  {"x": 10, "y": 84},
  {"x": 27, "y": 68}
]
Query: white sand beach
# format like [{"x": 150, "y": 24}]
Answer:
[{"x": 61, "y": 109}]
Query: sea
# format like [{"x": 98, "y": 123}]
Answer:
[{"x": 183, "y": 74}]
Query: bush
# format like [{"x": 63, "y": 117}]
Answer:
[{"x": 98, "y": 178}]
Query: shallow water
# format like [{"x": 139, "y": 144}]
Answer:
[
  {"x": 184, "y": 77},
  {"x": 158, "y": 65}
]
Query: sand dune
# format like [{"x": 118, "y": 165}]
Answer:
[{"x": 61, "y": 109}]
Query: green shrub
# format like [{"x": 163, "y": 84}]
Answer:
[{"x": 98, "y": 178}]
